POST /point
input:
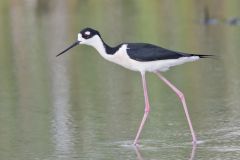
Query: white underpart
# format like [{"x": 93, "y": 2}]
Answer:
[
  {"x": 121, "y": 57},
  {"x": 162, "y": 65}
]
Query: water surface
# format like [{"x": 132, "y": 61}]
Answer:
[{"x": 79, "y": 106}]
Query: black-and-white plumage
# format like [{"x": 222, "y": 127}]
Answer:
[
  {"x": 135, "y": 56},
  {"x": 140, "y": 57}
]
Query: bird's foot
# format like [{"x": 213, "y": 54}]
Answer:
[
  {"x": 136, "y": 144},
  {"x": 194, "y": 142}
]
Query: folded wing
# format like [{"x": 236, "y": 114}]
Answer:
[{"x": 147, "y": 52}]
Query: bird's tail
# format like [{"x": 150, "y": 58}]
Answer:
[{"x": 203, "y": 56}]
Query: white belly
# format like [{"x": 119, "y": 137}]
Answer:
[{"x": 162, "y": 65}]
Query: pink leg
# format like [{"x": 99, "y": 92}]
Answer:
[
  {"x": 147, "y": 108},
  {"x": 182, "y": 98}
]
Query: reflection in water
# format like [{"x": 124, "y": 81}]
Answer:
[
  {"x": 139, "y": 156},
  {"x": 194, "y": 146},
  {"x": 62, "y": 119}
]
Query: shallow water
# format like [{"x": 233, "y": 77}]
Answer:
[{"x": 79, "y": 106}]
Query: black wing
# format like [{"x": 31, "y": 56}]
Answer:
[{"x": 147, "y": 52}]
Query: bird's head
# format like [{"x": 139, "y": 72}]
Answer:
[{"x": 87, "y": 36}]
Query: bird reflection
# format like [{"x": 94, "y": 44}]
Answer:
[
  {"x": 139, "y": 156},
  {"x": 194, "y": 146}
]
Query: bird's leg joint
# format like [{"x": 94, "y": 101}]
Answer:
[
  {"x": 180, "y": 94},
  {"x": 147, "y": 109}
]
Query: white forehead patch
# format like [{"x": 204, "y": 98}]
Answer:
[
  {"x": 87, "y": 33},
  {"x": 79, "y": 36}
]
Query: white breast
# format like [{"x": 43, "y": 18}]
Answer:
[{"x": 121, "y": 57}]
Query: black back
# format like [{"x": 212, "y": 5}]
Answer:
[{"x": 147, "y": 52}]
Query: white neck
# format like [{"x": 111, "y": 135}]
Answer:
[{"x": 98, "y": 44}]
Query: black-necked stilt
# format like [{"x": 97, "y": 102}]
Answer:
[{"x": 140, "y": 57}]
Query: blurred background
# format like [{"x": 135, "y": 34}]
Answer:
[{"x": 79, "y": 106}]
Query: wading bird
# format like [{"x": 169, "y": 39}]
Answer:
[{"x": 141, "y": 57}]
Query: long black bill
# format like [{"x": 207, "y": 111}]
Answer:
[{"x": 73, "y": 45}]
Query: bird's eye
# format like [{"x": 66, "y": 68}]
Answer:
[{"x": 86, "y": 36}]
